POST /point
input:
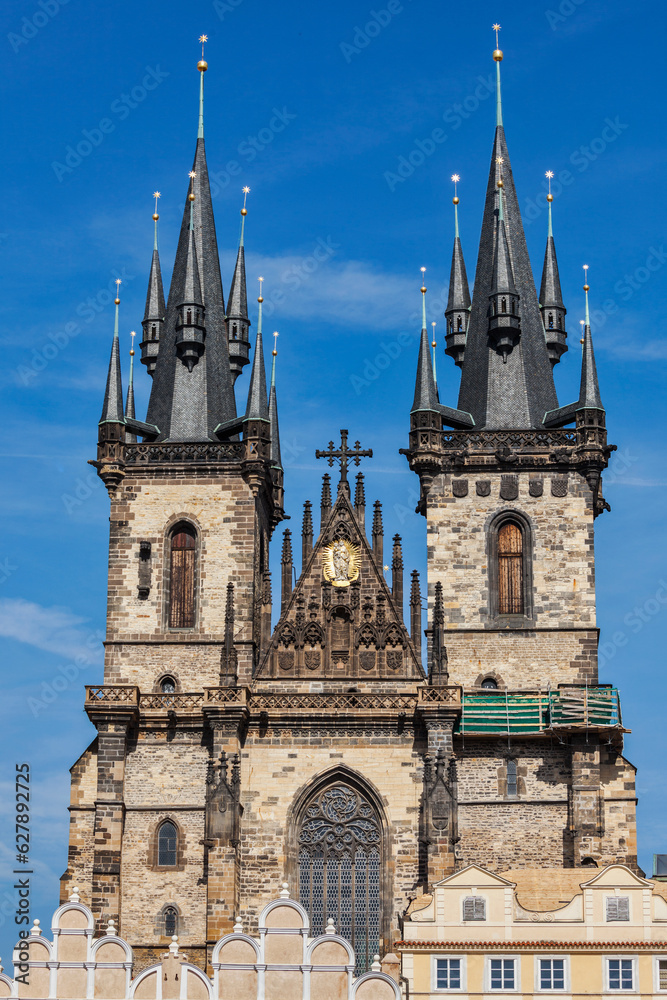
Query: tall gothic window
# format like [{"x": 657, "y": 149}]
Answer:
[
  {"x": 510, "y": 569},
  {"x": 167, "y": 843},
  {"x": 340, "y": 860},
  {"x": 182, "y": 577}
]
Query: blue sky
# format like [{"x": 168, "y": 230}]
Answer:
[{"x": 315, "y": 109}]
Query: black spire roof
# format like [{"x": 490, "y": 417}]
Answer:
[
  {"x": 189, "y": 405},
  {"x": 112, "y": 408},
  {"x": 551, "y": 300},
  {"x": 155, "y": 308},
  {"x": 517, "y": 392},
  {"x": 459, "y": 293},
  {"x": 257, "y": 407},
  {"x": 589, "y": 389},
  {"x": 276, "y": 461}
]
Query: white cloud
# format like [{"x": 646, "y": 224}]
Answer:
[
  {"x": 54, "y": 629},
  {"x": 348, "y": 293}
]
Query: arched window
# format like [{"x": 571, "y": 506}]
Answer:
[
  {"x": 340, "y": 860},
  {"x": 167, "y": 685},
  {"x": 234, "y": 331},
  {"x": 154, "y": 332},
  {"x": 460, "y": 323},
  {"x": 490, "y": 684},
  {"x": 167, "y": 844},
  {"x": 504, "y": 305},
  {"x": 170, "y": 916},
  {"x": 510, "y": 569},
  {"x": 551, "y": 321},
  {"x": 182, "y": 577},
  {"x": 189, "y": 316}
]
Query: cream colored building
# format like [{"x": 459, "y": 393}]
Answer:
[{"x": 534, "y": 932}]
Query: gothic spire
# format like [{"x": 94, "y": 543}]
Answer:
[
  {"x": 457, "y": 312},
  {"x": 238, "y": 323},
  {"x": 112, "y": 408},
  {"x": 187, "y": 404},
  {"x": 426, "y": 393},
  {"x": 499, "y": 387},
  {"x": 257, "y": 407},
  {"x": 190, "y": 329},
  {"x": 589, "y": 388},
  {"x": 155, "y": 310},
  {"x": 504, "y": 302},
  {"x": 551, "y": 298},
  {"x": 276, "y": 461},
  {"x": 129, "y": 399}
]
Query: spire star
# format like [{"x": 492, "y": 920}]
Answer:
[
  {"x": 192, "y": 174},
  {"x": 156, "y": 194},
  {"x": 549, "y": 174},
  {"x": 456, "y": 178}
]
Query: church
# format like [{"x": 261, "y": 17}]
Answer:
[{"x": 326, "y": 757}]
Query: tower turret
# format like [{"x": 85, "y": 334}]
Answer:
[
  {"x": 238, "y": 323},
  {"x": 551, "y": 298},
  {"x": 190, "y": 325},
  {"x": 504, "y": 321},
  {"x": 155, "y": 311},
  {"x": 457, "y": 312},
  {"x": 276, "y": 461}
]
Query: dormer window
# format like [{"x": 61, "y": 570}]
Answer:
[{"x": 474, "y": 908}]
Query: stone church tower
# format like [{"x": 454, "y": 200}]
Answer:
[{"x": 231, "y": 757}]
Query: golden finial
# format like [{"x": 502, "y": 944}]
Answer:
[
  {"x": 456, "y": 179},
  {"x": 433, "y": 342},
  {"x": 275, "y": 343},
  {"x": 497, "y": 55},
  {"x": 192, "y": 175},
  {"x": 500, "y": 161},
  {"x": 246, "y": 192},
  {"x": 549, "y": 174},
  {"x": 202, "y": 65},
  {"x": 260, "y": 298},
  {"x": 156, "y": 195},
  {"x": 116, "y": 301},
  {"x": 132, "y": 335},
  {"x": 423, "y": 288}
]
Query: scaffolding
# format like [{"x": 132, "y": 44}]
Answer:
[{"x": 542, "y": 711}]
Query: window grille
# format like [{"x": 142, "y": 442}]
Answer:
[
  {"x": 448, "y": 974},
  {"x": 167, "y": 839},
  {"x": 552, "y": 973},
  {"x": 618, "y": 908},
  {"x": 182, "y": 578},
  {"x": 474, "y": 908},
  {"x": 510, "y": 569},
  {"x": 621, "y": 973},
  {"x": 340, "y": 855},
  {"x": 503, "y": 973}
]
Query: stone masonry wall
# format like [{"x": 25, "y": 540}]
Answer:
[
  {"x": 224, "y": 513},
  {"x": 561, "y": 644}
]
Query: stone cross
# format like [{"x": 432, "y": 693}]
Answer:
[{"x": 343, "y": 454}]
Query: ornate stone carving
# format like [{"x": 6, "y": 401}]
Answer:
[
  {"x": 222, "y": 801},
  {"x": 394, "y": 658},
  {"x": 559, "y": 487},
  {"x": 536, "y": 487},
  {"x": 509, "y": 487},
  {"x": 313, "y": 659},
  {"x": 367, "y": 660},
  {"x": 460, "y": 487},
  {"x": 286, "y": 659},
  {"x": 483, "y": 487}
]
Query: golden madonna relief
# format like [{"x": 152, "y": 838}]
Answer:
[{"x": 340, "y": 563}]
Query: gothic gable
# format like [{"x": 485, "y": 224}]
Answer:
[{"x": 341, "y": 621}]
